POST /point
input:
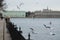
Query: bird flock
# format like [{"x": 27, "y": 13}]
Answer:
[
  {"x": 50, "y": 28},
  {"x": 47, "y": 27}
]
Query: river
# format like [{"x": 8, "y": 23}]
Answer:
[{"x": 36, "y": 25}]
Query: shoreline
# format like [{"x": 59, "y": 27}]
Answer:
[{"x": 31, "y": 17}]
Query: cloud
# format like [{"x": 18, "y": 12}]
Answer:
[{"x": 33, "y": 4}]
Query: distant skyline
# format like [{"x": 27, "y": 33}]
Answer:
[{"x": 33, "y": 5}]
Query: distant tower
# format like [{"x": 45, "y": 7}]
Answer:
[{"x": 47, "y": 8}]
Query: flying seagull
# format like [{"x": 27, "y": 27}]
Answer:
[
  {"x": 52, "y": 33},
  {"x": 47, "y": 26},
  {"x": 33, "y": 31},
  {"x": 18, "y": 7}
]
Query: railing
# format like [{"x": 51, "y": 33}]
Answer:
[{"x": 15, "y": 34}]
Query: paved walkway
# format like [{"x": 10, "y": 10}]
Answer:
[{"x": 4, "y": 34}]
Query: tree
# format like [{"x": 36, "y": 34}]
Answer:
[
  {"x": 28, "y": 13},
  {"x": 2, "y": 8}
]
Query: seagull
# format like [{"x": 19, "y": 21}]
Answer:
[
  {"x": 47, "y": 26},
  {"x": 33, "y": 31},
  {"x": 21, "y": 4},
  {"x": 18, "y": 7},
  {"x": 52, "y": 33}
]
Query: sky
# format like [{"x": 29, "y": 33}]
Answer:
[{"x": 32, "y": 5}]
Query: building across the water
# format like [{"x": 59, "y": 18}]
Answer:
[
  {"x": 15, "y": 14},
  {"x": 47, "y": 13}
]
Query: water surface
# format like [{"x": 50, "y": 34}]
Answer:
[{"x": 40, "y": 32}]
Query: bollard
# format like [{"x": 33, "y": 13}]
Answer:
[{"x": 29, "y": 36}]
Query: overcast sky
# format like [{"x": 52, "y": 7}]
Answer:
[{"x": 33, "y": 5}]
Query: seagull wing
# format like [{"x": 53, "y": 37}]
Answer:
[
  {"x": 18, "y": 7},
  {"x": 44, "y": 25},
  {"x": 31, "y": 28}
]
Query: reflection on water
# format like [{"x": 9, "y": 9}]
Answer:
[{"x": 37, "y": 29}]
